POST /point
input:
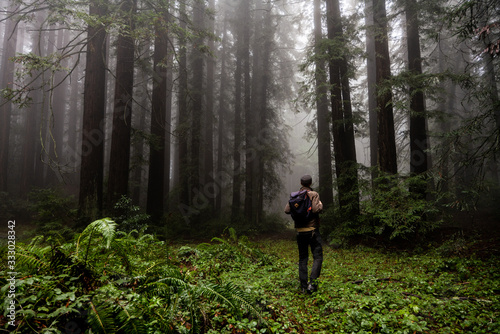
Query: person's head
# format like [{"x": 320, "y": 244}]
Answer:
[{"x": 306, "y": 180}]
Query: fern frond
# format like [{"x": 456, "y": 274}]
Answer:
[
  {"x": 123, "y": 251},
  {"x": 33, "y": 255},
  {"x": 100, "y": 319},
  {"x": 36, "y": 241},
  {"x": 222, "y": 241},
  {"x": 130, "y": 323},
  {"x": 145, "y": 237},
  {"x": 173, "y": 282},
  {"x": 230, "y": 295},
  {"x": 214, "y": 292},
  {"x": 106, "y": 227}
]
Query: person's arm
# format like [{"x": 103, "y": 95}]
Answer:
[
  {"x": 287, "y": 208},
  {"x": 317, "y": 205}
]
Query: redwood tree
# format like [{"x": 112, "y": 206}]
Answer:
[
  {"x": 92, "y": 152},
  {"x": 159, "y": 104},
  {"x": 385, "y": 119},
  {"x": 418, "y": 133},
  {"x": 342, "y": 118},
  {"x": 119, "y": 161},
  {"x": 7, "y": 77},
  {"x": 323, "y": 115}
]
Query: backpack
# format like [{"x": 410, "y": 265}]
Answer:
[{"x": 301, "y": 208}]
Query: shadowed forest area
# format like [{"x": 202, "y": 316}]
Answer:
[{"x": 148, "y": 149}]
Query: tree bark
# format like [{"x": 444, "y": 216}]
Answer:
[
  {"x": 323, "y": 118},
  {"x": 156, "y": 176},
  {"x": 94, "y": 104},
  {"x": 265, "y": 117},
  {"x": 198, "y": 68},
  {"x": 59, "y": 100},
  {"x": 242, "y": 92},
  {"x": 222, "y": 114},
  {"x": 31, "y": 169},
  {"x": 253, "y": 116},
  {"x": 371, "y": 86},
  {"x": 183, "y": 123},
  {"x": 7, "y": 78},
  {"x": 247, "y": 107},
  {"x": 119, "y": 161},
  {"x": 387, "y": 155},
  {"x": 342, "y": 119},
  {"x": 418, "y": 132},
  {"x": 208, "y": 151}
]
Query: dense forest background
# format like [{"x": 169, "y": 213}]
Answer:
[{"x": 191, "y": 115}]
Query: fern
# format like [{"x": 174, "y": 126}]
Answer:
[
  {"x": 230, "y": 295},
  {"x": 176, "y": 290},
  {"x": 34, "y": 255},
  {"x": 106, "y": 227},
  {"x": 130, "y": 323},
  {"x": 100, "y": 318},
  {"x": 123, "y": 250}
]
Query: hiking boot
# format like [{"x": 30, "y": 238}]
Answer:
[
  {"x": 312, "y": 288},
  {"x": 305, "y": 291}
]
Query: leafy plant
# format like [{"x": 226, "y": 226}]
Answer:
[
  {"x": 389, "y": 211},
  {"x": 395, "y": 211},
  {"x": 129, "y": 217},
  {"x": 96, "y": 283}
]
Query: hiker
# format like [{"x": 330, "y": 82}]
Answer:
[{"x": 304, "y": 207}]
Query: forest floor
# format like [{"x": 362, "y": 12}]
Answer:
[
  {"x": 452, "y": 285},
  {"x": 453, "y": 288}
]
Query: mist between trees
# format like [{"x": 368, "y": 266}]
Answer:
[{"x": 212, "y": 110}]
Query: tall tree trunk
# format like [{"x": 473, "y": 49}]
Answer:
[
  {"x": 58, "y": 102},
  {"x": 208, "y": 151},
  {"x": 94, "y": 104},
  {"x": 31, "y": 169},
  {"x": 387, "y": 155},
  {"x": 119, "y": 160},
  {"x": 253, "y": 117},
  {"x": 242, "y": 92},
  {"x": 47, "y": 126},
  {"x": 139, "y": 123},
  {"x": 371, "y": 85},
  {"x": 222, "y": 140},
  {"x": 418, "y": 133},
  {"x": 7, "y": 78},
  {"x": 198, "y": 67},
  {"x": 342, "y": 119},
  {"x": 323, "y": 115},
  {"x": 138, "y": 154},
  {"x": 183, "y": 123},
  {"x": 73, "y": 158},
  {"x": 156, "y": 176},
  {"x": 265, "y": 118},
  {"x": 168, "y": 129},
  {"x": 238, "y": 74},
  {"x": 247, "y": 110},
  {"x": 446, "y": 99}
]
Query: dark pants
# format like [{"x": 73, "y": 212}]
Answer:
[{"x": 304, "y": 240}]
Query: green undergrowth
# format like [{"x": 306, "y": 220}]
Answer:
[
  {"x": 107, "y": 281},
  {"x": 362, "y": 290}
]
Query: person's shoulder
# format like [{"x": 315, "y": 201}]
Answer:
[{"x": 313, "y": 193}]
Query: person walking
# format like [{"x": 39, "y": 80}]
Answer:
[{"x": 305, "y": 206}]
